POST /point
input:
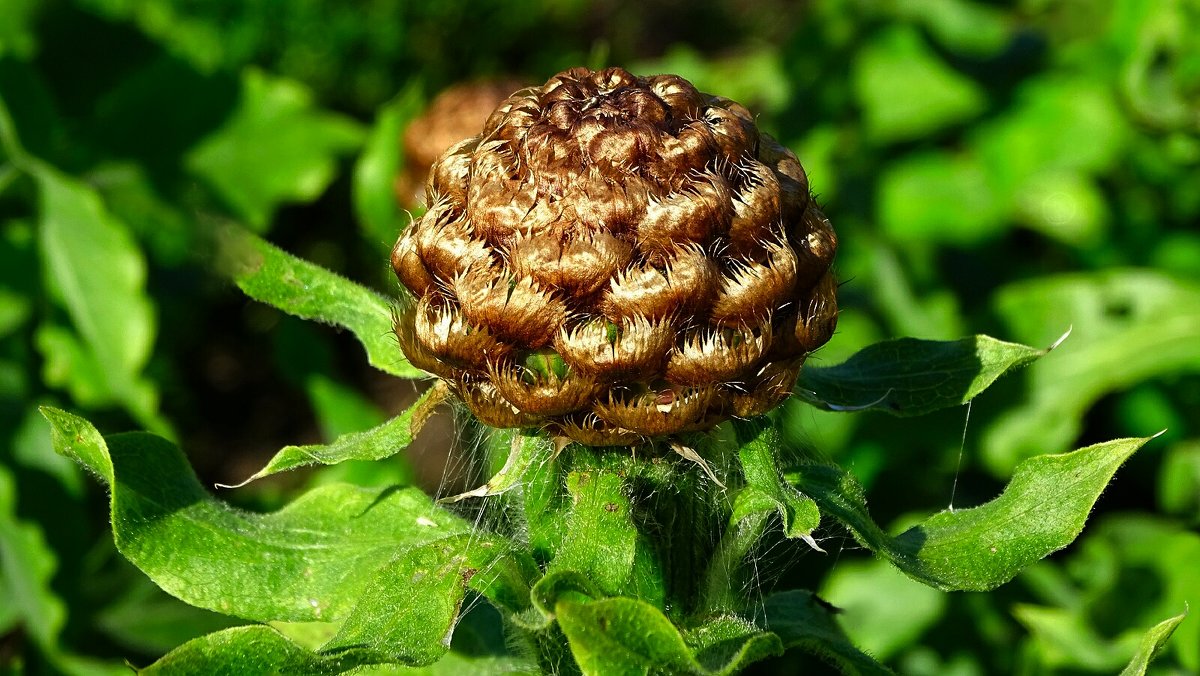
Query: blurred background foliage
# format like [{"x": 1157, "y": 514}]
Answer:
[{"x": 1007, "y": 168}]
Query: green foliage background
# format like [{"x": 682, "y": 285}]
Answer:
[{"x": 1005, "y": 168}]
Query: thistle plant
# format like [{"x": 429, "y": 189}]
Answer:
[{"x": 619, "y": 278}]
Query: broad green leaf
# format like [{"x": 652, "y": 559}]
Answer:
[
  {"x": 1125, "y": 555},
  {"x": 259, "y": 650},
  {"x": 961, "y": 25},
  {"x": 275, "y": 148},
  {"x": 623, "y": 636},
  {"x": 1129, "y": 326},
  {"x": 17, "y": 35},
  {"x": 936, "y": 196},
  {"x": 27, "y": 564},
  {"x": 277, "y": 278},
  {"x": 907, "y": 91},
  {"x": 1042, "y": 510},
  {"x": 408, "y": 612},
  {"x": 308, "y": 561},
  {"x": 801, "y": 620},
  {"x": 254, "y": 650},
  {"x": 375, "y": 204},
  {"x": 882, "y": 610},
  {"x": 1179, "y": 482},
  {"x": 376, "y": 443},
  {"x": 1069, "y": 207},
  {"x": 1058, "y": 124},
  {"x": 99, "y": 275},
  {"x": 908, "y": 377},
  {"x": 1064, "y": 639},
  {"x": 1151, "y": 645},
  {"x": 600, "y": 540}
]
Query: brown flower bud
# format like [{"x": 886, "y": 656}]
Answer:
[
  {"x": 617, "y": 258},
  {"x": 453, "y": 115}
]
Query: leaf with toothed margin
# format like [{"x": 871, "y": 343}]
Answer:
[
  {"x": 377, "y": 443},
  {"x": 272, "y": 276},
  {"x": 1042, "y": 510},
  {"x": 308, "y": 561},
  {"x": 804, "y": 621},
  {"x": 908, "y": 376}
]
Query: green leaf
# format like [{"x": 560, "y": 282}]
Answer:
[
  {"x": 623, "y": 636},
  {"x": 254, "y": 650},
  {"x": 907, "y": 91},
  {"x": 728, "y": 644},
  {"x": 1151, "y": 645},
  {"x": 881, "y": 609},
  {"x": 962, "y": 25},
  {"x": 17, "y": 35},
  {"x": 801, "y": 620},
  {"x": 1042, "y": 510},
  {"x": 908, "y": 377},
  {"x": 28, "y": 564},
  {"x": 308, "y": 561},
  {"x": 275, "y": 148},
  {"x": 375, "y": 204},
  {"x": 408, "y": 613},
  {"x": 758, "y": 450},
  {"x": 937, "y": 196},
  {"x": 376, "y": 443},
  {"x": 99, "y": 275},
  {"x": 601, "y": 539},
  {"x": 1129, "y": 326},
  {"x": 1064, "y": 639},
  {"x": 275, "y": 277}
]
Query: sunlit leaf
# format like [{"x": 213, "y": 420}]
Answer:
[
  {"x": 907, "y": 91},
  {"x": 17, "y": 35},
  {"x": 410, "y": 609},
  {"x": 308, "y": 561},
  {"x": 375, "y": 173},
  {"x": 272, "y": 276},
  {"x": 625, "y": 635},
  {"x": 940, "y": 197},
  {"x": 962, "y": 25},
  {"x": 255, "y": 650},
  {"x": 28, "y": 565},
  {"x": 275, "y": 148},
  {"x": 100, "y": 276},
  {"x": 376, "y": 443},
  {"x": 909, "y": 377},
  {"x": 1042, "y": 510},
  {"x": 1129, "y": 325},
  {"x": 1152, "y": 644}
]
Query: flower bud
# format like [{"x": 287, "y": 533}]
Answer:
[{"x": 615, "y": 259}]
